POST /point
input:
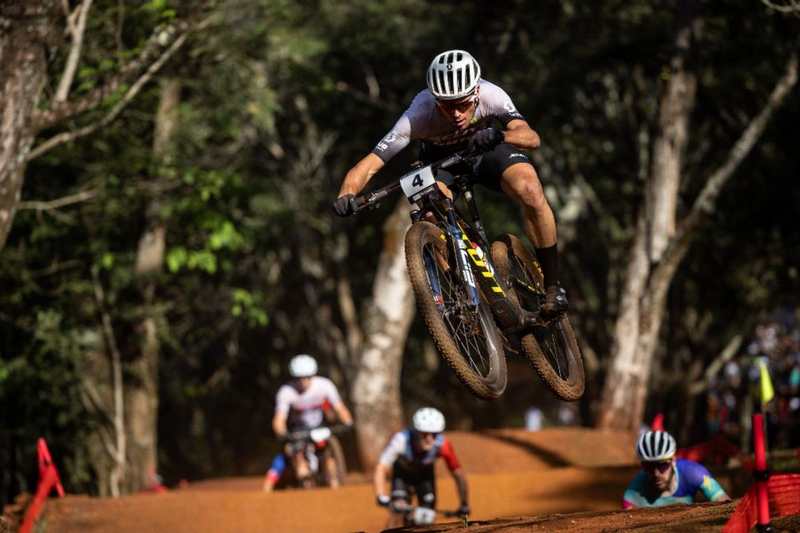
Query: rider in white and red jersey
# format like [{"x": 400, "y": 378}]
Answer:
[
  {"x": 300, "y": 405},
  {"x": 461, "y": 110},
  {"x": 408, "y": 460}
]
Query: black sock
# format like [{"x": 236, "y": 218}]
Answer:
[{"x": 548, "y": 260}]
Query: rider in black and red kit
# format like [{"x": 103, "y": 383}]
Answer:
[
  {"x": 458, "y": 110},
  {"x": 408, "y": 460}
]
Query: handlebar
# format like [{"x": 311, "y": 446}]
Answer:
[
  {"x": 305, "y": 434},
  {"x": 370, "y": 200}
]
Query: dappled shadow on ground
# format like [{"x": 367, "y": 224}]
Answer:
[
  {"x": 553, "y": 460},
  {"x": 510, "y": 475},
  {"x": 684, "y": 519}
]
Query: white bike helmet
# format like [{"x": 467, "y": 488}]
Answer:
[
  {"x": 656, "y": 446},
  {"x": 428, "y": 420},
  {"x": 453, "y": 74},
  {"x": 302, "y": 366}
]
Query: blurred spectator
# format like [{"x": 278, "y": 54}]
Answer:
[
  {"x": 533, "y": 419},
  {"x": 567, "y": 415},
  {"x": 735, "y": 391}
]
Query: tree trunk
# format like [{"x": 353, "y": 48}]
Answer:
[
  {"x": 649, "y": 275},
  {"x": 639, "y": 321},
  {"x": 376, "y": 387},
  {"x": 24, "y": 27},
  {"x": 98, "y": 401},
  {"x": 141, "y": 390}
]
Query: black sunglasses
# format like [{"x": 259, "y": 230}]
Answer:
[
  {"x": 661, "y": 466},
  {"x": 460, "y": 105}
]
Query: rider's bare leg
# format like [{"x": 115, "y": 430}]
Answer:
[
  {"x": 521, "y": 183},
  {"x": 301, "y": 468}
]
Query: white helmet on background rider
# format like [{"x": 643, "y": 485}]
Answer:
[
  {"x": 656, "y": 446},
  {"x": 302, "y": 366},
  {"x": 453, "y": 74},
  {"x": 428, "y": 420}
]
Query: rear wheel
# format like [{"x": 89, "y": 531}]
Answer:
[
  {"x": 552, "y": 348},
  {"x": 465, "y": 336}
]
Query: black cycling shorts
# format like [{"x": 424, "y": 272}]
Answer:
[
  {"x": 489, "y": 169},
  {"x": 407, "y": 481},
  {"x": 493, "y": 164}
]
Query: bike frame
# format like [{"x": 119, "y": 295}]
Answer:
[{"x": 467, "y": 241}]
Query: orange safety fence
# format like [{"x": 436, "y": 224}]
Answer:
[
  {"x": 784, "y": 494},
  {"x": 784, "y": 500}
]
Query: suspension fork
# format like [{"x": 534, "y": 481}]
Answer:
[{"x": 457, "y": 240}]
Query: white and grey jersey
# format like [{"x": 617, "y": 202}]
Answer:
[{"x": 424, "y": 122}]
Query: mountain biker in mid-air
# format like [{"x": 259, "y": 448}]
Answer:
[
  {"x": 300, "y": 406},
  {"x": 663, "y": 480},
  {"x": 460, "y": 110},
  {"x": 408, "y": 460}
]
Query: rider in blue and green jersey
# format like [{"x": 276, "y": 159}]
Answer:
[{"x": 665, "y": 480}]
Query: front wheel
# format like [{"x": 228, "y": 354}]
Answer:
[
  {"x": 336, "y": 453},
  {"x": 552, "y": 349},
  {"x": 465, "y": 336}
]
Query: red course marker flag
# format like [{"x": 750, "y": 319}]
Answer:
[{"x": 48, "y": 478}]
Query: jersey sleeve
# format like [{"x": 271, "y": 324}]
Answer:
[
  {"x": 332, "y": 393},
  {"x": 394, "y": 141},
  {"x": 393, "y": 449},
  {"x": 448, "y": 453},
  {"x": 701, "y": 479},
  {"x": 499, "y": 104},
  {"x": 712, "y": 489},
  {"x": 283, "y": 401},
  {"x": 633, "y": 494}
]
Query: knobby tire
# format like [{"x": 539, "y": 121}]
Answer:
[
  {"x": 485, "y": 378},
  {"x": 561, "y": 367},
  {"x": 335, "y": 450}
]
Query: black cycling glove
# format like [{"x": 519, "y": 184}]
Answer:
[
  {"x": 343, "y": 205},
  {"x": 486, "y": 139}
]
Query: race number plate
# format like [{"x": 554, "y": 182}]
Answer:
[
  {"x": 320, "y": 434},
  {"x": 416, "y": 181}
]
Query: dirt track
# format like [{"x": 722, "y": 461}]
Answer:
[{"x": 512, "y": 474}]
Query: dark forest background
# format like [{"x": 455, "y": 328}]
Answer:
[{"x": 228, "y": 159}]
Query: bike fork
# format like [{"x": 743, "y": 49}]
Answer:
[{"x": 460, "y": 253}]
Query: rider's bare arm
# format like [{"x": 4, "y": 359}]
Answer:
[
  {"x": 344, "y": 413},
  {"x": 379, "y": 480},
  {"x": 279, "y": 424},
  {"x": 461, "y": 485},
  {"x": 358, "y": 176},
  {"x": 521, "y": 135}
]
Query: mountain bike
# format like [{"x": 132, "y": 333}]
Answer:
[
  {"x": 317, "y": 445},
  {"x": 477, "y": 299},
  {"x": 415, "y": 515}
]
